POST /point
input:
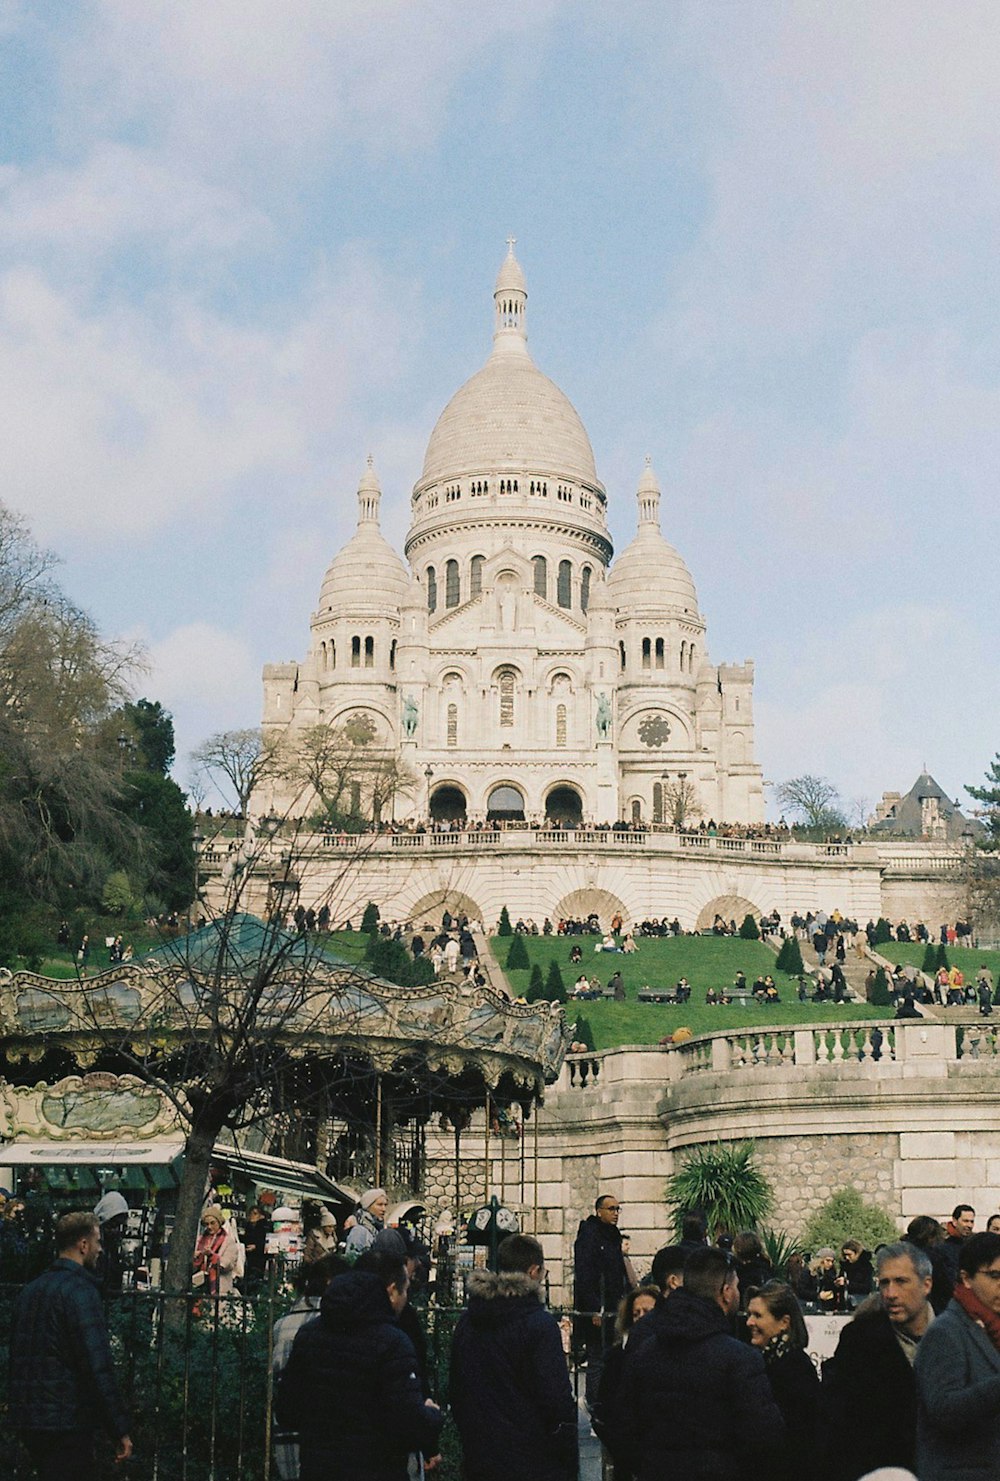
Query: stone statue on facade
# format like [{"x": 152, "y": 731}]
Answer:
[
  {"x": 603, "y": 717},
  {"x": 410, "y": 716}
]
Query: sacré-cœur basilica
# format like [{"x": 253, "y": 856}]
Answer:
[{"x": 514, "y": 668}]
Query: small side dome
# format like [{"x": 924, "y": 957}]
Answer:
[
  {"x": 650, "y": 574},
  {"x": 367, "y": 577}
]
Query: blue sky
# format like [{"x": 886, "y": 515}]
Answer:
[{"x": 242, "y": 245}]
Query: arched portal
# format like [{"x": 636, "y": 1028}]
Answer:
[
  {"x": 448, "y": 804},
  {"x": 505, "y": 804},
  {"x": 730, "y": 908},
  {"x": 429, "y": 909},
  {"x": 563, "y": 807},
  {"x": 580, "y": 903}
]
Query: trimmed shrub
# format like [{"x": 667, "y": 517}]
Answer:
[
  {"x": 504, "y": 927},
  {"x": 749, "y": 930},
  {"x": 847, "y": 1216},
  {"x": 370, "y": 919},
  {"x": 536, "y": 986},
  {"x": 790, "y": 957},
  {"x": 583, "y": 1033},
  {"x": 555, "y": 987},
  {"x": 517, "y": 956},
  {"x": 883, "y": 931}
]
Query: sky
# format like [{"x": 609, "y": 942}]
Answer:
[{"x": 243, "y": 245}]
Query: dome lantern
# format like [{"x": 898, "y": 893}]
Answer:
[
  {"x": 648, "y": 496},
  {"x": 510, "y": 297}
]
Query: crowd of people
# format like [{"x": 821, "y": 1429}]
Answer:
[
  {"x": 702, "y": 1368},
  {"x": 699, "y": 1369}
]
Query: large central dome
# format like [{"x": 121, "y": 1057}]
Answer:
[{"x": 509, "y": 417}]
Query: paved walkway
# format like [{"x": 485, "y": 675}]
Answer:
[{"x": 590, "y": 1448}]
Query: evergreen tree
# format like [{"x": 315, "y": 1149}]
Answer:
[
  {"x": 989, "y": 796},
  {"x": 555, "y": 988},
  {"x": 941, "y": 958},
  {"x": 929, "y": 964},
  {"x": 536, "y": 986},
  {"x": 583, "y": 1033},
  {"x": 505, "y": 928},
  {"x": 749, "y": 930},
  {"x": 370, "y": 919},
  {"x": 517, "y": 956},
  {"x": 790, "y": 957},
  {"x": 883, "y": 931},
  {"x": 880, "y": 990}
]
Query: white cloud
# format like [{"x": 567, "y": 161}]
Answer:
[{"x": 129, "y": 421}]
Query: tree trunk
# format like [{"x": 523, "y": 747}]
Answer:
[{"x": 190, "y": 1198}]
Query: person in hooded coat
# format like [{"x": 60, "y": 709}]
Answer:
[
  {"x": 510, "y": 1391},
  {"x": 695, "y": 1404},
  {"x": 350, "y": 1387}
]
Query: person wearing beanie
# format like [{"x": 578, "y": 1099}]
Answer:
[
  {"x": 321, "y": 1239},
  {"x": 369, "y": 1218}
]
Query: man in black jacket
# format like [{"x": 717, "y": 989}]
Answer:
[
  {"x": 869, "y": 1392},
  {"x": 694, "y": 1401},
  {"x": 601, "y": 1282},
  {"x": 351, "y": 1388},
  {"x": 510, "y": 1391},
  {"x": 62, "y": 1382}
]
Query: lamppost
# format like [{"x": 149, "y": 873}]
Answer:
[
  {"x": 428, "y": 774},
  {"x": 197, "y": 842}
]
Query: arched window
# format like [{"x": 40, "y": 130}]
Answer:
[
  {"x": 621, "y": 655},
  {"x": 356, "y": 798},
  {"x": 392, "y": 654},
  {"x": 560, "y": 725},
  {"x": 657, "y": 802},
  {"x": 690, "y": 658},
  {"x": 660, "y": 653},
  {"x": 332, "y": 653},
  {"x": 355, "y": 653},
  {"x": 647, "y": 653},
  {"x": 432, "y": 589},
  {"x": 476, "y": 575},
  {"x": 506, "y": 687},
  {"x": 451, "y": 587},
  {"x": 453, "y": 725},
  {"x": 369, "y": 653},
  {"x": 541, "y": 574},
  {"x": 684, "y": 649},
  {"x": 636, "y": 810},
  {"x": 584, "y": 588},
  {"x": 564, "y": 585}
]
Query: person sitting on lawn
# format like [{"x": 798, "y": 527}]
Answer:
[
  {"x": 629, "y": 944},
  {"x": 581, "y": 987},
  {"x": 711, "y": 997}
]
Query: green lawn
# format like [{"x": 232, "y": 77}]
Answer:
[
  {"x": 965, "y": 957},
  {"x": 706, "y": 961}
]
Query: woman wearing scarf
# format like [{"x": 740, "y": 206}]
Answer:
[
  {"x": 777, "y": 1330},
  {"x": 216, "y": 1253},
  {"x": 957, "y": 1370}
]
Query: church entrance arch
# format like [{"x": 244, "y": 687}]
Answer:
[
  {"x": 505, "y": 805},
  {"x": 563, "y": 807},
  {"x": 730, "y": 908},
  {"x": 580, "y": 903},
  {"x": 448, "y": 805},
  {"x": 429, "y": 909}
]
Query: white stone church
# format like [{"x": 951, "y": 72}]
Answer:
[{"x": 513, "y": 668}]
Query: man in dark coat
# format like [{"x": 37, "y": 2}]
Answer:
[
  {"x": 510, "y": 1391},
  {"x": 957, "y": 1231},
  {"x": 350, "y": 1387},
  {"x": 869, "y": 1395},
  {"x": 601, "y": 1282},
  {"x": 694, "y": 1403},
  {"x": 62, "y": 1382}
]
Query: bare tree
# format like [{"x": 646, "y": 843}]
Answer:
[
  {"x": 341, "y": 772},
  {"x": 234, "y": 760},
  {"x": 680, "y": 802},
  {"x": 813, "y": 799}
]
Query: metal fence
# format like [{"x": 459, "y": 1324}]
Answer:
[{"x": 196, "y": 1375}]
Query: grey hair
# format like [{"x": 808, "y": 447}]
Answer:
[{"x": 904, "y": 1250}]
